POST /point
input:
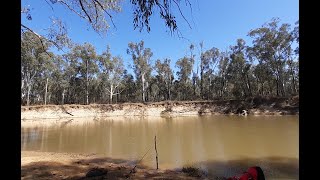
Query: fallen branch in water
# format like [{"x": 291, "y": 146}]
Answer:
[{"x": 65, "y": 111}]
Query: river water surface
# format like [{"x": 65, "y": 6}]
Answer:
[{"x": 219, "y": 145}]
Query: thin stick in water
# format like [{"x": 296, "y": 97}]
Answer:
[{"x": 155, "y": 147}]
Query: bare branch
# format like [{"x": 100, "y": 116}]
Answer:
[
  {"x": 111, "y": 18},
  {"x": 191, "y": 11},
  {"x": 62, "y": 2},
  {"x": 117, "y": 84},
  {"x": 40, "y": 38},
  {"x": 30, "y": 30},
  {"x": 181, "y": 13},
  {"x": 95, "y": 7},
  {"x": 49, "y": 5},
  {"x": 85, "y": 11},
  {"x": 181, "y": 36}
]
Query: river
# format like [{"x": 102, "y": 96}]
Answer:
[{"x": 219, "y": 145}]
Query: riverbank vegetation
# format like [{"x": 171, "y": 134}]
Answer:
[{"x": 269, "y": 66}]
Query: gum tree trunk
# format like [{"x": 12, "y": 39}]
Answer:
[{"x": 46, "y": 92}]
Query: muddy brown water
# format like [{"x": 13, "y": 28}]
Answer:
[{"x": 218, "y": 145}]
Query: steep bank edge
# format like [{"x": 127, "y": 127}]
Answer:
[{"x": 254, "y": 106}]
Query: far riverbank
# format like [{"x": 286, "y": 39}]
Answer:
[{"x": 252, "y": 106}]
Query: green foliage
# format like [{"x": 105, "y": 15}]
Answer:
[
  {"x": 272, "y": 46},
  {"x": 141, "y": 64},
  {"x": 164, "y": 78},
  {"x": 269, "y": 67},
  {"x": 184, "y": 65}
]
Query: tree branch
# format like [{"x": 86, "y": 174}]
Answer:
[
  {"x": 85, "y": 11},
  {"x": 95, "y": 7},
  {"x": 62, "y": 2},
  {"x": 49, "y": 5},
  {"x": 181, "y": 13},
  {"x": 40, "y": 38},
  {"x": 117, "y": 84},
  {"x": 191, "y": 11},
  {"x": 111, "y": 18}
]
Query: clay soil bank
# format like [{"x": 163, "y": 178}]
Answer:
[{"x": 253, "y": 106}]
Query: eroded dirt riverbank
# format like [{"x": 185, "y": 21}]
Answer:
[{"x": 253, "y": 106}]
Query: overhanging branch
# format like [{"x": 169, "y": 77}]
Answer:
[
  {"x": 64, "y": 3},
  {"x": 182, "y": 13},
  {"x": 40, "y": 38},
  {"x": 85, "y": 11},
  {"x": 49, "y": 5},
  {"x": 111, "y": 18}
]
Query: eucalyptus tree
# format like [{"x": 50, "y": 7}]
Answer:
[
  {"x": 295, "y": 35},
  {"x": 98, "y": 14},
  {"x": 48, "y": 67},
  {"x": 201, "y": 69},
  {"x": 272, "y": 45},
  {"x": 33, "y": 56},
  {"x": 294, "y": 75},
  {"x": 184, "y": 65},
  {"x": 72, "y": 88},
  {"x": 194, "y": 74},
  {"x": 113, "y": 69},
  {"x": 116, "y": 70},
  {"x": 209, "y": 61},
  {"x": 84, "y": 57},
  {"x": 293, "y": 62},
  {"x": 165, "y": 76},
  {"x": 223, "y": 73},
  {"x": 263, "y": 77},
  {"x": 60, "y": 80},
  {"x": 154, "y": 89},
  {"x": 129, "y": 89},
  {"x": 141, "y": 64},
  {"x": 239, "y": 69}
]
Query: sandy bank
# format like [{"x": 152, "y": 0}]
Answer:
[
  {"x": 53, "y": 165},
  {"x": 254, "y": 106}
]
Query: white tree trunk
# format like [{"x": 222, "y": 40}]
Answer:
[
  {"x": 22, "y": 90},
  {"x": 63, "y": 96},
  {"x": 87, "y": 84},
  {"x": 143, "y": 88},
  {"x": 28, "y": 94},
  {"x": 45, "y": 94},
  {"x": 111, "y": 93},
  {"x": 169, "y": 87}
]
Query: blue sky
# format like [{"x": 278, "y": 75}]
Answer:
[{"x": 218, "y": 23}]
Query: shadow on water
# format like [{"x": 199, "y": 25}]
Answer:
[{"x": 273, "y": 167}]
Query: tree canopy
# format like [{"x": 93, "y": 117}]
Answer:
[
  {"x": 267, "y": 67},
  {"x": 99, "y": 16}
]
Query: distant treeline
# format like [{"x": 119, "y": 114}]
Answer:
[{"x": 269, "y": 67}]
